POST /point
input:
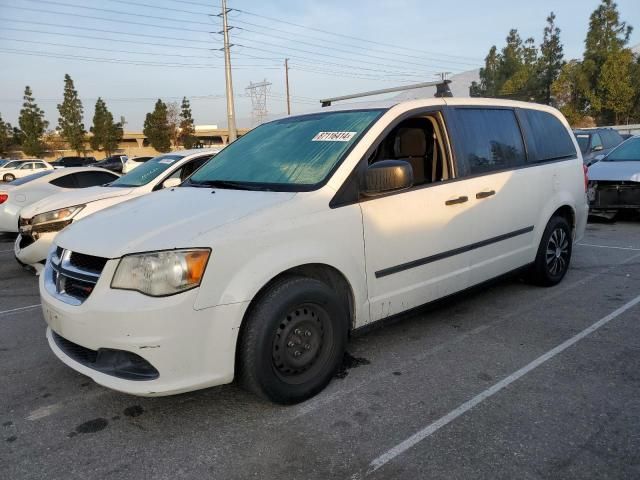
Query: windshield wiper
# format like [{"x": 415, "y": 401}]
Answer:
[{"x": 228, "y": 184}]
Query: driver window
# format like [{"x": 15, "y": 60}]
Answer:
[
  {"x": 419, "y": 142},
  {"x": 596, "y": 141}
]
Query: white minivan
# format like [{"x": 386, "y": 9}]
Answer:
[{"x": 262, "y": 263}]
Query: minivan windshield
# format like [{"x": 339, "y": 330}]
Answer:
[
  {"x": 629, "y": 151},
  {"x": 583, "y": 142},
  {"x": 291, "y": 154},
  {"x": 147, "y": 171}
]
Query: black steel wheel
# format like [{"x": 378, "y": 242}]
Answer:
[
  {"x": 554, "y": 253},
  {"x": 293, "y": 340}
]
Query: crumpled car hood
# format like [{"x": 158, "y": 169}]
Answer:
[{"x": 615, "y": 171}]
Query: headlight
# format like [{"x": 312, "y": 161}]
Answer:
[
  {"x": 61, "y": 214},
  {"x": 159, "y": 274}
]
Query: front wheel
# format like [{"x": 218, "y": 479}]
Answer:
[
  {"x": 9, "y": 177},
  {"x": 293, "y": 340},
  {"x": 554, "y": 253}
]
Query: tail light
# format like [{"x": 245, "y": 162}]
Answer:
[
  {"x": 3, "y": 198},
  {"x": 585, "y": 169}
]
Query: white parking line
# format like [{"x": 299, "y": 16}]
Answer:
[
  {"x": 452, "y": 415},
  {"x": 19, "y": 309},
  {"x": 609, "y": 246}
]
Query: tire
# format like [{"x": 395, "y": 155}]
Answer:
[
  {"x": 554, "y": 254},
  {"x": 9, "y": 177},
  {"x": 293, "y": 340}
]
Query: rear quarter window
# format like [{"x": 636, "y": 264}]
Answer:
[
  {"x": 547, "y": 138},
  {"x": 488, "y": 140}
]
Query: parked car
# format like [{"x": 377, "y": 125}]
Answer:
[
  {"x": 40, "y": 223},
  {"x": 133, "y": 163},
  {"x": 614, "y": 182},
  {"x": 596, "y": 141},
  {"x": 305, "y": 229},
  {"x": 64, "y": 162},
  {"x": 9, "y": 164},
  {"x": 115, "y": 163},
  {"x": 25, "y": 191},
  {"x": 23, "y": 169}
]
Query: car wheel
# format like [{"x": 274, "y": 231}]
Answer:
[
  {"x": 293, "y": 340},
  {"x": 554, "y": 253},
  {"x": 9, "y": 177}
]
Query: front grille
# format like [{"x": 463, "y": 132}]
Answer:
[
  {"x": 25, "y": 241},
  {"x": 616, "y": 195},
  {"x": 72, "y": 275},
  {"x": 87, "y": 262}
]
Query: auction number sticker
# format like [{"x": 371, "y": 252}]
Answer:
[
  {"x": 333, "y": 136},
  {"x": 167, "y": 161}
]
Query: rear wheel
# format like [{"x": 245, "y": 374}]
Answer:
[
  {"x": 293, "y": 340},
  {"x": 9, "y": 177},
  {"x": 554, "y": 253}
]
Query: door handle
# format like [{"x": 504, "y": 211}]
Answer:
[
  {"x": 455, "y": 201},
  {"x": 485, "y": 194}
]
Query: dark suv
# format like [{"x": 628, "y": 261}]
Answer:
[
  {"x": 596, "y": 141},
  {"x": 73, "y": 162}
]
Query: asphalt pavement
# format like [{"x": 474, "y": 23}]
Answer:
[{"x": 508, "y": 381}]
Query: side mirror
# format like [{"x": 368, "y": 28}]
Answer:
[
  {"x": 597, "y": 148},
  {"x": 387, "y": 176},
  {"x": 171, "y": 182}
]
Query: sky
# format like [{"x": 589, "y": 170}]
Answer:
[{"x": 132, "y": 52}]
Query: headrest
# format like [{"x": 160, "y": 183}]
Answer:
[{"x": 410, "y": 142}]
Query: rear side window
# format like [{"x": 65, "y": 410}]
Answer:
[
  {"x": 93, "y": 179},
  {"x": 548, "y": 137},
  {"x": 66, "y": 181},
  {"x": 489, "y": 139}
]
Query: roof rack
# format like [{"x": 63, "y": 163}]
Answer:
[{"x": 442, "y": 90}]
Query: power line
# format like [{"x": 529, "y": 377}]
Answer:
[
  {"x": 102, "y": 19},
  {"x": 306, "y": 27},
  {"x": 118, "y": 12},
  {"x": 114, "y": 60}
]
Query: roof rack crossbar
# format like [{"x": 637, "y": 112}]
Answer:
[{"x": 442, "y": 90}]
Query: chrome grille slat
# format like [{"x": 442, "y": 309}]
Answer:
[{"x": 67, "y": 281}]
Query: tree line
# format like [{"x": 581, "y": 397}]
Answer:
[
  {"x": 167, "y": 125},
  {"x": 602, "y": 88}
]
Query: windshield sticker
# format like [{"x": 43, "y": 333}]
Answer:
[
  {"x": 333, "y": 136},
  {"x": 167, "y": 161},
  {"x": 582, "y": 136}
]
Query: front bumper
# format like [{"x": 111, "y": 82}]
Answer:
[
  {"x": 614, "y": 195},
  {"x": 190, "y": 349},
  {"x": 31, "y": 251}
]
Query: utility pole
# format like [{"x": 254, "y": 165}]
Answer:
[
  {"x": 286, "y": 77},
  {"x": 231, "y": 115}
]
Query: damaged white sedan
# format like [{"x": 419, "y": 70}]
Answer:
[{"x": 614, "y": 181}]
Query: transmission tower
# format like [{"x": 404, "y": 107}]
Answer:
[{"x": 258, "y": 93}]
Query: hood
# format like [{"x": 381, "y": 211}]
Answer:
[
  {"x": 615, "y": 171},
  {"x": 74, "y": 197},
  {"x": 172, "y": 218}
]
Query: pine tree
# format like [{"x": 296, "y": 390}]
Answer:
[
  {"x": 32, "y": 124},
  {"x": 106, "y": 133},
  {"x": 614, "y": 84},
  {"x": 157, "y": 129},
  {"x": 70, "y": 120},
  {"x": 569, "y": 92},
  {"x": 488, "y": 86},
  {"x": 607, "y": 36},
  {"x": 551, "y": 59},
  {"x": 5, "y": 136},
  {"x": 187, "y": 129}
]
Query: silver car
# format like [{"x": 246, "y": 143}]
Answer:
[{"x": 614, "y": 181}]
